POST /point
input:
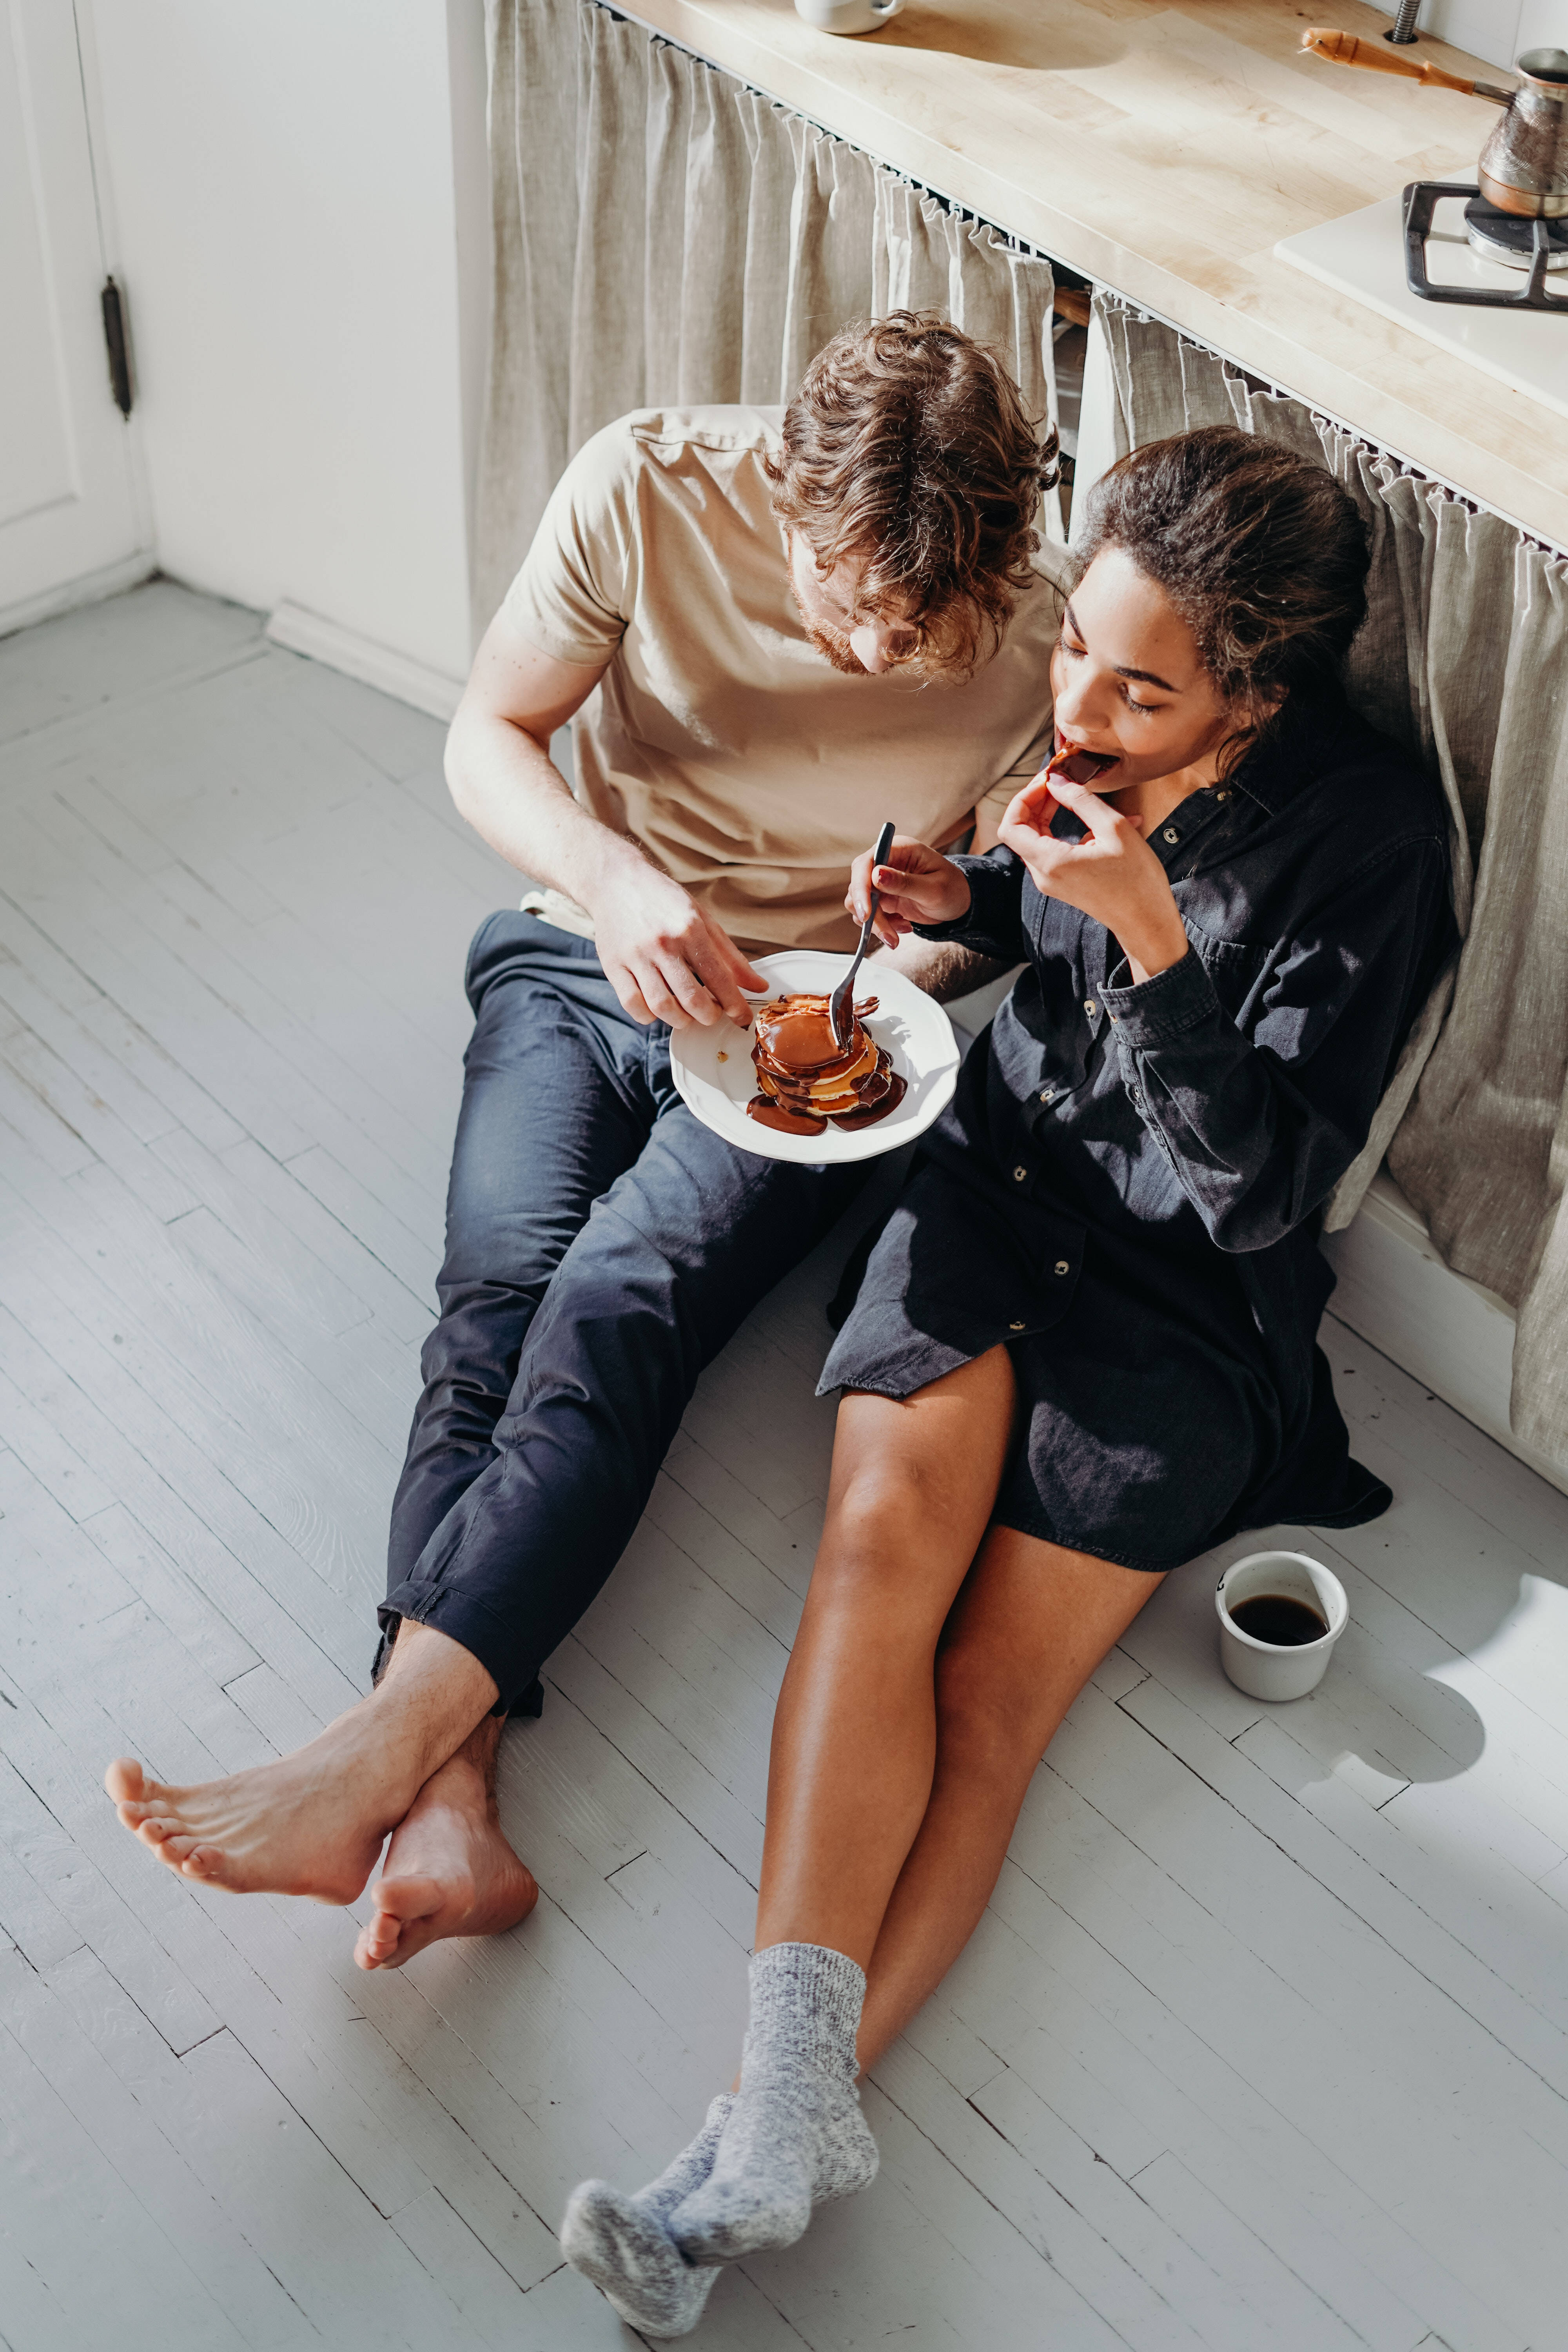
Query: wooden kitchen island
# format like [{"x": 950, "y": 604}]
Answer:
[{"x": 1163, "y": 153}]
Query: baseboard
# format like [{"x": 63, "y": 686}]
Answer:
[
  {"x": 399, "y": 675},
  {"x": 1446, "y": 1331},
  {"x": 91, "y": 588}
]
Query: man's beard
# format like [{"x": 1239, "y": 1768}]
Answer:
[
  {"x": 837, "y": 650},
  {"x": 831, "y": 644}
]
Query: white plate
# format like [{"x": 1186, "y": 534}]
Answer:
[{"x": 911, "y": 1024}]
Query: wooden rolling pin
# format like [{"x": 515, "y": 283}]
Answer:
[{"x": 1375, "y": 57}]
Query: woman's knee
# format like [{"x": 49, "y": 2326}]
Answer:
[
  {"x": 906, "y": 1472},
  {"x": 890, "y": 1523}
]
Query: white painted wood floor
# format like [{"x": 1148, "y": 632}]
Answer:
[{"x": 1262, "y": 2041}]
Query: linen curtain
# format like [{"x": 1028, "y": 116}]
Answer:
[
  {"x": 665, "y": 236},
  {"x": 1465, "y": 659}
]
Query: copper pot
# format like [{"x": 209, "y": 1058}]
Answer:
[{"x": 1523, "y": 166}]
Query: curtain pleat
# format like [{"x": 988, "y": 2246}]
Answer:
[
  {"x": 665, "y": 236},
  {"x": 1465, "y": 659}
]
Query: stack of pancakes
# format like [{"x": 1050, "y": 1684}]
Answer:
[{"x": 805, "y": 1077}]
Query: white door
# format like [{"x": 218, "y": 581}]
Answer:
[{"x": 68, "y": 520}]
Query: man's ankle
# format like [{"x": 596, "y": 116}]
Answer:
[{"x": 433, "y": 1702}]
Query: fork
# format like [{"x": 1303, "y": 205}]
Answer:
[{"x": 841, "y": 1004}]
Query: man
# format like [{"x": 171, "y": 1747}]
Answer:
[{"x": 772, "y": 632}]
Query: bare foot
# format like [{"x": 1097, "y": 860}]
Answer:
[
  {"x": 448, "y": 1871},
  {"x": 311, "y": 1823}
]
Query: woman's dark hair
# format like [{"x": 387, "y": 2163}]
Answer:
[
  {"x": 909, "y": 446},
  {"x": 1262, "y": 554}
]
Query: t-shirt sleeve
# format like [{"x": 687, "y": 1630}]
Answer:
[
  {"x": 992, "y": 805},
  {"x": 570, "y": 599}
]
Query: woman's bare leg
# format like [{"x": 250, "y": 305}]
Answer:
[
  {"x": 854, "y": 1734},
  {"x": 1031, "y": 1624},
  {"x": 854, "y": 1748}
]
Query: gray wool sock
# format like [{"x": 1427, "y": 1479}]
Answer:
[
  {"x": 622, "y": 2243},
  {"x": 795, "y": 2137}
]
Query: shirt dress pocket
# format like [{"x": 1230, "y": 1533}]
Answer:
[{"x": 1235, "y": 968}]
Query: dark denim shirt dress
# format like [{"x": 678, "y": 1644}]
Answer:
[{"x": 1127, "y": 1189}]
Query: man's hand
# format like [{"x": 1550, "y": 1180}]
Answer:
[
  {"x": 1114, "y": 876},
  {"x": 665, "y": 959},
  {"x": 917, "y": 885}
]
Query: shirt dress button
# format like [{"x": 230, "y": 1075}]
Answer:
[
  {"x": 1171, "y": 834},
  {"x": 1062, "y": 1267},
  {"x": 1019, "y": 1174},
  {"x": 1136, "y": 1097},
  {"x": 1048, "y": 1094},
  {"x": 1091, "y": 1007},
  {"x": 1016, "y": 1327}
]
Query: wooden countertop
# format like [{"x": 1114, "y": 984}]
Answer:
[{"x": 1163, "y": 151}]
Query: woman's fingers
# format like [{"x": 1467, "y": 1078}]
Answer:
[
  {"x": 1035, "y": 805},
  {"x": 913, "y": 885},
  {"x": 1089, "y": 808},
  {"x": 857, "y": 898},
  {"x": 906, "y": 864},
  {"x": 897, "y": 912}
]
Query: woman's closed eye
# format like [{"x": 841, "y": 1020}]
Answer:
[{"x": 1066, "y": 646}]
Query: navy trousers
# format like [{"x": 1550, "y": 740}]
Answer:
[{"x": 602, "y": 1245}]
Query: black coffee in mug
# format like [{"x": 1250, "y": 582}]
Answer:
[{"x": 1275, "y": 1618}]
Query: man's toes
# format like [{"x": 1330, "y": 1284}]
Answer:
[
  {"x": 125, "y": 1781},
  {"x": 406, "y": 1900},
  {"x": 177, "y": 1845},
  {"x": 199, "y": 1861},
  {"x": 378, "y": 1942},
  {"x": 410, "y": 1913}
]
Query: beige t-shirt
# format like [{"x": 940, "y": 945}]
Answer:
[{"x": 719, "y": 738}]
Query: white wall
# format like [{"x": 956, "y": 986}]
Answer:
[
  {"x": 1497, "y": 29},
  {"x": 287, "y": 210}
]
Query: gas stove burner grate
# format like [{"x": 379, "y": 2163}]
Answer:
[
  {"x": 1509, "y": 238},
  {"x": 1537, "y": 245}
]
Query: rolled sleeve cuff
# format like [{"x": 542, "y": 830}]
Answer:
[
  {"x": 993, "y": 912},
  {"x": 1159, "y": 1012}
]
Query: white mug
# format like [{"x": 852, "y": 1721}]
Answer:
[
  {"x": 1265, "y": 1669},
  {"x": 847, "y": 16}
]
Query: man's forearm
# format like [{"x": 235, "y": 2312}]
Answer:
[
  {"x": 941, "y": 970},
  {"x": 504, "y": 783}
]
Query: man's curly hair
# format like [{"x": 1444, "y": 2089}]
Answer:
[{"x": 908, "y": 448}]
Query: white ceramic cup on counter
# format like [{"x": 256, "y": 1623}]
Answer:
[
  {"x": 847, "y": 16},
  {"x": 1273, "y": 1670}
]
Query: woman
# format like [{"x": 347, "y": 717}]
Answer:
[{"x": 1083, "y": 1350}]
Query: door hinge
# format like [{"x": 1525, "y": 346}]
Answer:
[{"x": 118, "y": 353}]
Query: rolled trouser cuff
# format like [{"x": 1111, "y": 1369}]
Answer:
[{"x": 481, "y": 1632}]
